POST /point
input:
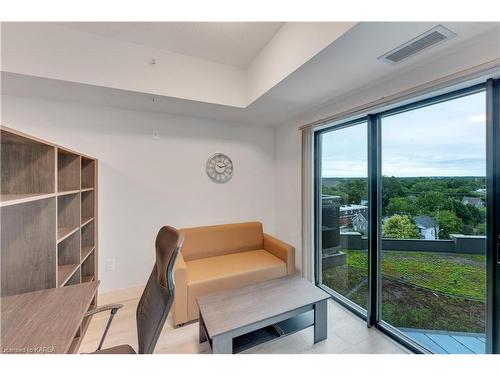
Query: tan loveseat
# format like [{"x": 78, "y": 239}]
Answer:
[{"x": 220, "y": 257}]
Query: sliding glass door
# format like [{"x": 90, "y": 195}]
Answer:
[
  {"x": 433, "y": 223},
  {"x": 343, "y": 216},
  {"x": 426, "y": 268}
]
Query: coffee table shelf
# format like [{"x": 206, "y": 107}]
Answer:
[{"x": 273, "y": 332}]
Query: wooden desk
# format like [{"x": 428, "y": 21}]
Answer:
[{"x": 46, "y": 321}]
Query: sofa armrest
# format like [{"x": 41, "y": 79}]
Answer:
[
  {"x": 281, "y": 250},
  {"x": 180, "y": 299}
]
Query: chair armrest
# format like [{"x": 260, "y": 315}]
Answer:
[
  {"x": 281, "y": 250},
  {"x": 114, "y": 307},
  {"x": 180, "y": 295}
]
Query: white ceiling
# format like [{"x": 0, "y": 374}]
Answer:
[
  {"x": 349, "y": 66},
  {"x": 229, "y": 43}
]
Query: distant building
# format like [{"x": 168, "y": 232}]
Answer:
[
  {"x": 481, "y": 191},
  {"x": 348, "y": 212},
  {"x": 428, "y": 229},
  {"x": 473, "y": 201},
  {"x": 360, "y": 223},
  {"x": 330, "y": 231}
]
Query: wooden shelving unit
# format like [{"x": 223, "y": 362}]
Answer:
[{"x": 48, "y": 212}]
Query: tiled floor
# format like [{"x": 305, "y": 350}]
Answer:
[{"x": 346, "y": 333}]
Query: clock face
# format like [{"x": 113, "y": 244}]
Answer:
[{"x": 219, "y": 168}]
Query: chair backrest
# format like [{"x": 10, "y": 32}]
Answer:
[
  {"x": 214, "y": 240},
  {"x": 158, "y": 295}
]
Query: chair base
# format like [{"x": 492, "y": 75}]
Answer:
[{"x": 120, "y": 349}]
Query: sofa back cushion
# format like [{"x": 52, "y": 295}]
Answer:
[{"x": 204, "y": 242}]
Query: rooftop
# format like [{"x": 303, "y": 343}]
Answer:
[
  {"x": 353, "y": 207},
  {"x": 472, "y": 200},
  {"x": 425, "y": 221}
]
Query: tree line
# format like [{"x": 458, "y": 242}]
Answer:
[{"x": 406, "y": 197}]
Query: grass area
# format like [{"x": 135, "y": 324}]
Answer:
[
  {"x": 409, "y": 306},
  {"x": 419, "y": 290},
  {"x": 461, "y": 275}
]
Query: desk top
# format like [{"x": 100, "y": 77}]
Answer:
[
  {"x": 45, "y": 321},
  {"x": 234, "y": 308}
]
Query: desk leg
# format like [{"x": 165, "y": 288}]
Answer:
[
  {"x": 202, "y": 335},
  {"x": 222, "y": 344},
  {"x": 320, "y": 321}
]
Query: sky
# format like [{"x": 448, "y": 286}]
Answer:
[{"x": 445, "y": 139}]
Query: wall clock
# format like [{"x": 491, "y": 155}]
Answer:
[{"x": 219, "y": 168}]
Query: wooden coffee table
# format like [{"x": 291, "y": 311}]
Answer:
[{"x": 237, "y": 319}]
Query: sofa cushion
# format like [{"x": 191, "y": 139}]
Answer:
[
  {"x": 214, "y": 274},
  {"x": 210, "y": 241}
]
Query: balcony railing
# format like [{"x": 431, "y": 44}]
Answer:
[{"x": 460, "y": 244}]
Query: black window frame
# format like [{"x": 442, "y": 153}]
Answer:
[
  {"x": 372, "y": 314},
  {"x": 356, "y": 309}
]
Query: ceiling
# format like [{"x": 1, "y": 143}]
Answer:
[
  {"x": 349, "y": 66},
  {"x": 229, "y": 43}
]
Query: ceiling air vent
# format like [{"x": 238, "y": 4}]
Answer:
[{"x": 430, "y": 38}]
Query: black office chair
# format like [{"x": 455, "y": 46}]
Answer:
[{"x": 156, "y": 299}]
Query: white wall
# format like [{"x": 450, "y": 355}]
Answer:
[
  {"x": 146, "y": 183},
  {"x": 293, "y": 45},
  {"x": 57, "y": 52},
  {"x": 288, "y": 188}
]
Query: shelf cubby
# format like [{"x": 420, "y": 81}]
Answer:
[
  {"x": 28, "y": 168},
  {"x": 74, "y": 279},
  {"x": 87, "y": 279},
  {"x": 88, "y": 268},
  {"x": 68, "y": 215},
  {"x": 68, "y": 171},
  {"x": 87, "y": 206},
  {"x": 28, "y": 246},
  {"x": 85, "y": 252},
  {"x": 88, "y": 173},
  {"x": 66, "y": 272},
  {"x": 68, "y": 251},
  {"x": 88, "y": 238}
]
